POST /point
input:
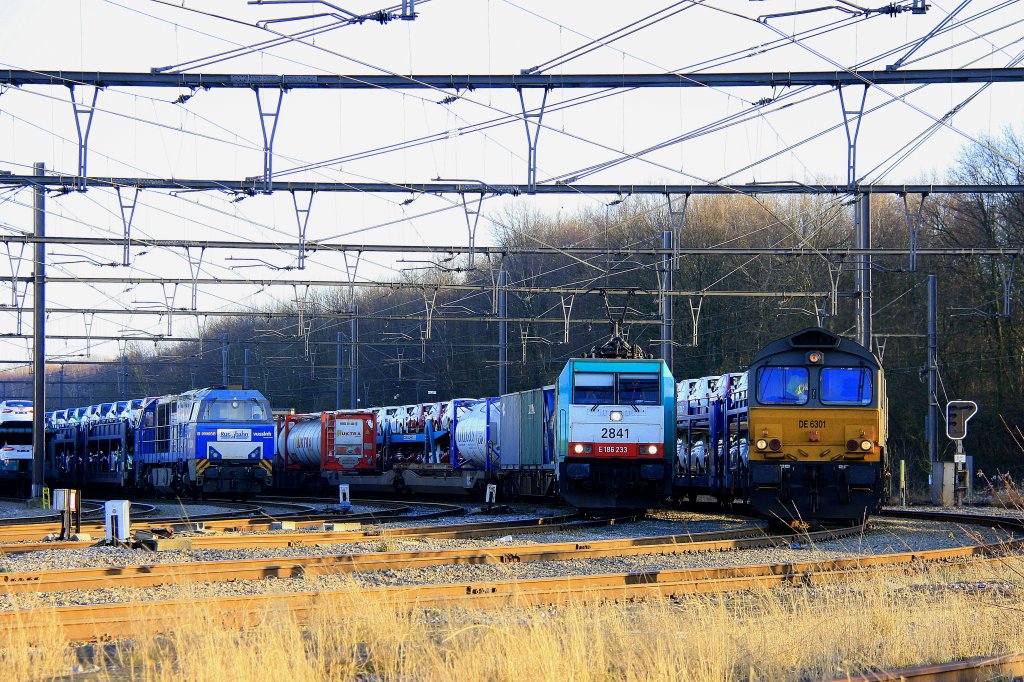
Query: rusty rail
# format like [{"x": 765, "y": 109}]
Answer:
[
  {"x": 256, "y": 569},
  {"x": 106, "y": 621},
  {"x": 35, "y": 532},
  {"x": 243, "y": 540},
  {"x": 1006, "y": 667}
]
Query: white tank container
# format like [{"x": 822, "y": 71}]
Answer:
[
  {"x": 304, "y": 443},
  {"x": 471, "y": 435}
]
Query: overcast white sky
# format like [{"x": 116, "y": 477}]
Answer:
[{"x": 216, "y": 134}]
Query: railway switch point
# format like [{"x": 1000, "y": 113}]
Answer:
[{"x": 190, "y": 527}]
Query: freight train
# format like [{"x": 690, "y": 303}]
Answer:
[
  {"x": 210, "y": 440},
  {"x": 601, "y": 438},
  {"x": 800, "y": 435}
]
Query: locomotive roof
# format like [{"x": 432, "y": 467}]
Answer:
[{"x": 815, "y": 338}]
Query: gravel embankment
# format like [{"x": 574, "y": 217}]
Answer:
[{"x": 883, "y": 536}]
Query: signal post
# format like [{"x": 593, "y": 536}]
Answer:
[{"x": 949, "y": 479}]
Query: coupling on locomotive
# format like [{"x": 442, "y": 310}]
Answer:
[{"x": 799, "y": 434}]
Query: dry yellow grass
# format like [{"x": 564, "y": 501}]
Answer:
[{"x": 888, "y": 620}]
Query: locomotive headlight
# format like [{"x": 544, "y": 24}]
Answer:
[
  {"x": 578, "y": 449},
  {"x": 762, "y": 444},
  {"x": 652, "y": 449},
  {"x": 615, "y": 416},
  {"x": 865, "y": 445}
]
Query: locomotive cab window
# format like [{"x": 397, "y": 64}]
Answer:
[
  {"x": 782, "y": 385},
  {"x": 639, "y": 389},
  {"x": 846, "y": 385},
  {"x": 592, "y": 388},
  {"x": 216, "y": 410}
]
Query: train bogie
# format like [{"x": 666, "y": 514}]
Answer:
[{"x": 815, "y": 491}]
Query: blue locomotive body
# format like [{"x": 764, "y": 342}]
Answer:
[
  {"x": 213, "y": 440},
  {"x": 210, "y": 440}
]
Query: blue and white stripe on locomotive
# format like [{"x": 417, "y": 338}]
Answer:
[
  {"x": 216, "y": 442},
  {"x": 615, "y": 432}
]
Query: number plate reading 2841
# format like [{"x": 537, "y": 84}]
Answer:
[{"x": 612, "y": 432}]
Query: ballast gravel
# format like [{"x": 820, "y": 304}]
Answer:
[
  {"x": 883, "y": 536},
  {"x": 106, "y": 557},
  {"x": 12, "y": 509},
  {"x": 183, "y": 510},
  {"x": 970, "y": 510}
]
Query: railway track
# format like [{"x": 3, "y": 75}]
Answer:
[
  {"x": 255, "y": 569},
  {"x": 307, "y": 538},
  {"x": 1006, "y": 667},
  {"x": 249, "y": 517},
  {"x": 106, "y": 621},
  {"x": 118, "y": 620}
]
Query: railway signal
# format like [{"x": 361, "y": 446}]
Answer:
[{"x": 958, "y": 413}]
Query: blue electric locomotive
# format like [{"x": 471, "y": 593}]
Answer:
[{"x": 615, "y": 433}]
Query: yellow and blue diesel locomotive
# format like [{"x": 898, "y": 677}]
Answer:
[
  {"x": 800, "y": 435},
  {"x": 818, "y": 422}
]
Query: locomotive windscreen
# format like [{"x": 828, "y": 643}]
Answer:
[
  {"x": 593, "y": 388},
  {"x": 846, "y": 385},
  {"x": 639, "y": 389},
  {"x": 606, "y": 388},
  {"x": 782, "y": 385},
  {"x": 217, "y": 410}
]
